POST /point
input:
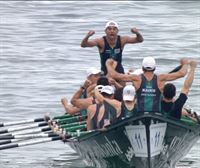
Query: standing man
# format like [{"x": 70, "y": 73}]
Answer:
[{"x": 111, "y": 45}]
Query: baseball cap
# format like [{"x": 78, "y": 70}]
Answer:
[
  {"x": 107, "y": 89},
  {"x": 128, "y": 93},
  {"x": 93, "y": 71},
  {"x": 111, "y": 23},
  {"x": 149, "y": 63},
  {"x": 99, "y": 87}
]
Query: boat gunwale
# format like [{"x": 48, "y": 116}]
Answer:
[{"x": 126, "y": 121}]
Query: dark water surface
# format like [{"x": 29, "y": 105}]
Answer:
[{"x": 41, "y": 60}]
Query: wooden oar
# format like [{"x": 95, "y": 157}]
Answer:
[
  {"x": 46, "y": 118},
  {"x": 28, "y": 136},
  {"x": 23, "y": 127},
  {"x": 32, "y": 142}
]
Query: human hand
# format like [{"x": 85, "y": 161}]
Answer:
[
  {"x": 90, "y": 33},
  {"x": 184, "y": 61},
  {"x": 111, "y": 81},
  {"x": 87, "y": 83},
  {"x": 193, "y": 63},
  {"x": 134, "y": 30}
]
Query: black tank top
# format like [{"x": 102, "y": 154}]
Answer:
[
  {"x": 148, "y": 96},
  {"x": 114, "y": 53},
  {"x": 125, "y": 112},
  {"x": 94, "y": 119},
  {"x": 110, "y": 115}
]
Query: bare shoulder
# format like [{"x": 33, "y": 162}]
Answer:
[
  {"x": 100, "y": 42},
  {"x": 128, "y": 39}
]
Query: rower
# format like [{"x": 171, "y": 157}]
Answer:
[
  {"x": 111, "y": 45},
  {"x": 174, "y": 107},
  {"x": 148, "y": 85}
]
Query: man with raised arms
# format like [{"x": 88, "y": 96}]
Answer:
[{"x": 111, "y": 45}]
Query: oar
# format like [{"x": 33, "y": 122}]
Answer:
[
  {"x": 176, "y": 69},
  {"x": 72, "y": 124},
  {"x": 36, "y": 130},
  {"x": 23, "y": 127},
  {"x": 32, "y": 142},
  {"x": 79, "y": 133},
  {"x": 74, "y": 128},
  {"x": 46, "y": 118},
  {"x": 71, "y": 120},
  {"x": 62, "y": 116},
  {"x": 9, "y": 141},
  {"x": 41, "y": 135}
]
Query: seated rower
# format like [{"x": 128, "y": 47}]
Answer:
[
  {"x": 84, "y": 92},
  {"x": 148, "y": 85},
  {"x": 174, "y": 107}
]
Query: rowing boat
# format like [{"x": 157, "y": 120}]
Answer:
[{"x": 145, "y": 141}]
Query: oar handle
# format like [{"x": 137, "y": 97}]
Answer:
[
  {"x": 46, "y": 118},
  {"x": 34, "y": 141},
  {"x": 176, "y": 69}
]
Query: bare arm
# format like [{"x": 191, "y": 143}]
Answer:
[
  {"x": 89, "y": 118},
  {"x": 116, "y": 104},
  {"x": 132, "y": 39},
  {"x": 89, "y": 43},
  {"x": 122, "y": 77},
  {"x": 90, "y": 90},
  {"x": 115, "y": 83},
  {"x": 189, "y": 78},
  {"x": 79, "y": 102},
  {"x": 175, "y": 75}
]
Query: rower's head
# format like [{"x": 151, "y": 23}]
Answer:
[
  {"x": 111, "y": 29},
  {"x": 107, "y": 91},
  {"x": 149, "y": 64},
  {"x": 129, "y": 93},
  {"x": 103, "y": 80},
  {"x": 93, "y": 74},
  {"x": 169, "y": 91}
]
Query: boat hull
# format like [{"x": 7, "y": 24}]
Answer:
[{"x": 146, "y": 141}]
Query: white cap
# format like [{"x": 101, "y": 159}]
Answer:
[
  {"x": 99, "y": 87},
  {"x": 129, "y": 93},
  {"x": 111, "y": 23},
  {"x": 149, "y": 63},
  {"x": 107, "y": 89},
  {"x": 93, "y": 71}
]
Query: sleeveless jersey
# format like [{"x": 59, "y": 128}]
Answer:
[
  {"x": 114, "y": 53},
  {"x": 148, "y": 95},
  {"x": 94, "y": 119},
  {"x": 110, "y": 115},
  {"x": 126, "y": 112}
]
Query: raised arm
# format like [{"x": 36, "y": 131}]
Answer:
[
  {"x": 89, "y": 43},
  {"x": 122, "y": 77},
  {"x": 132, "y": 39},
  {"x": 189, "y": 79},
  {"x": 113, "y": 102},
  {"x": 80, "y": 102},
  {"x": 175, "y": 75}
]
